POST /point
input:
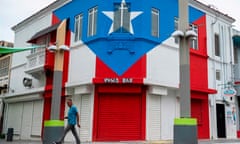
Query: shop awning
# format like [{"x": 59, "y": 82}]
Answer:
[
  {"x": 9, "y": 50},
  {"x": 236, "y": 41},
  {"x": 43, "y": 32}
]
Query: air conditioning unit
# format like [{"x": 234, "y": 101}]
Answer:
[
  {"x": 4, "y": 91},
  {"x": 27, "y": 82}
]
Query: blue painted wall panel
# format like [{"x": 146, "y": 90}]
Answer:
[{"x": 117, "y": 50}]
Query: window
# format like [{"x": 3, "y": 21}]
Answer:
[
  {"x": 155, "y": 22},
  {"x": 4, "y": 66},
  {"x": 92, "y": 21},
  {"x": 41, "y": 41},
  {"x": 235, "y": 55},
  {"x": 194, "y": 41},
  {"x": 217, "y": 45},
  {"x": 218, "y": 75},
  {"x": 176, "y": 40},
  {"x": 78, "y": 27},
  {"x": 121, "y": 18}
]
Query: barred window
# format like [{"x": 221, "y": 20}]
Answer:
[{"x": 121, "y": 18}]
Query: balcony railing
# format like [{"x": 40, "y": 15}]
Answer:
[{"x": 35, "y": 62}]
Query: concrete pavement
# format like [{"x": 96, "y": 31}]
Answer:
[{"x": 220, "y": 141}]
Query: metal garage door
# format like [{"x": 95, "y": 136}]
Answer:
[{"x": 120, "y": 117}]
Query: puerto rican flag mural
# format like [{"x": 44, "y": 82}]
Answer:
[
  {"x": 120, "y": 48},
  {"x": 120, "y": 34}
]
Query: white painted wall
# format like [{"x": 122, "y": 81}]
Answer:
[
  {"x": 19, "y": 60},
  {"x": 222, "y": 63},
  {"x": 162, "y": 70},
  {"x": 82, "y": 65},
  {"x": 163, "y": 65}
]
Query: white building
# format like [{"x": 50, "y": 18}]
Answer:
[{"x": 131, "y": 72}]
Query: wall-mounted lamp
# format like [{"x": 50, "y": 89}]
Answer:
[
  {"x": 188, "y": 34},
  {"x": 64, "y": 47},
  {"x": 177, "y": 34},
  {"x": 53, "y": 48},
  {"x": 191, "y": 34}
]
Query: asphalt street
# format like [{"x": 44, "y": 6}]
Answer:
[{"x": 221, "y": 141}]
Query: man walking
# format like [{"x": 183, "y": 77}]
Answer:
[{"x": 73, "y": 119}]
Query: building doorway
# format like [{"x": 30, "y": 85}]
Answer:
[{"x": 221, "y": 124}]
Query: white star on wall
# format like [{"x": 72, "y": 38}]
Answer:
[{"x": 133, "y": 15}]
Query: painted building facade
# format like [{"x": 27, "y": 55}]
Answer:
[
  {"x": 122, "y": 70},
  {"x": 236, "y": 46},
  {"x": 5, "y": 64}
]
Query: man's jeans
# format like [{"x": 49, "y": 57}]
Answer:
[{"x": 74, "y": 132}]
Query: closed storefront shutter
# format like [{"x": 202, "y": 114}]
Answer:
[
  {"x": 154, "y": 117},
  {"x": 85, "y": 120},
  {"x": 14, "y": 117},
  {"x": 37, "y": 118},
  {"x": 119, "y": 117},
  {"x": 26, "y": 120}
]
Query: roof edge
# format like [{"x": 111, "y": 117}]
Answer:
[
  {"x": 209, "y": 9},
  {"x": 51, "y": 7}
]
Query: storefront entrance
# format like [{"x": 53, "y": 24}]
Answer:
[
  {"x": 120, "y": 115},
  {"x": 221, "y": 125}
]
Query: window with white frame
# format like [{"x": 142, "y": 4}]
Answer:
[
  {"x": 218, "y": 75},
  {"x": 4, "y": 66},
  {"x": 92, "y": 21},
  {"x": 78, "y": 27},
  {"x": 176, "y": 39},
  {"x": 155, "y": 22},
  {"x": 194, "y": 41},
  {"x": 121, "y": 18},
  {"x": 217, "y": 44}
]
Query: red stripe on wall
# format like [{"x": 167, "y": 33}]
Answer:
[
  {"x": 138, "y": 70},
  {"x": 199, "y": 81}
]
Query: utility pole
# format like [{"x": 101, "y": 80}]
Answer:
[
  {"x": 53, "y": 128},
  {"x": 185, "y": 127}
]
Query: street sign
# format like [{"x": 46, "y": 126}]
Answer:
[{"x": 229, "y": 92}]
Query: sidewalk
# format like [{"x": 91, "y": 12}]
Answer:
[{"x": 221, "y": 141}]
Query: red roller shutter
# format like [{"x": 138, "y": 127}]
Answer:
[{"x": 120, "y": 117}]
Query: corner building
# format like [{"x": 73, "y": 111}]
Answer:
[
  {"x": 123, "y": 56},
  {"x": 122, "y": 70}
]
